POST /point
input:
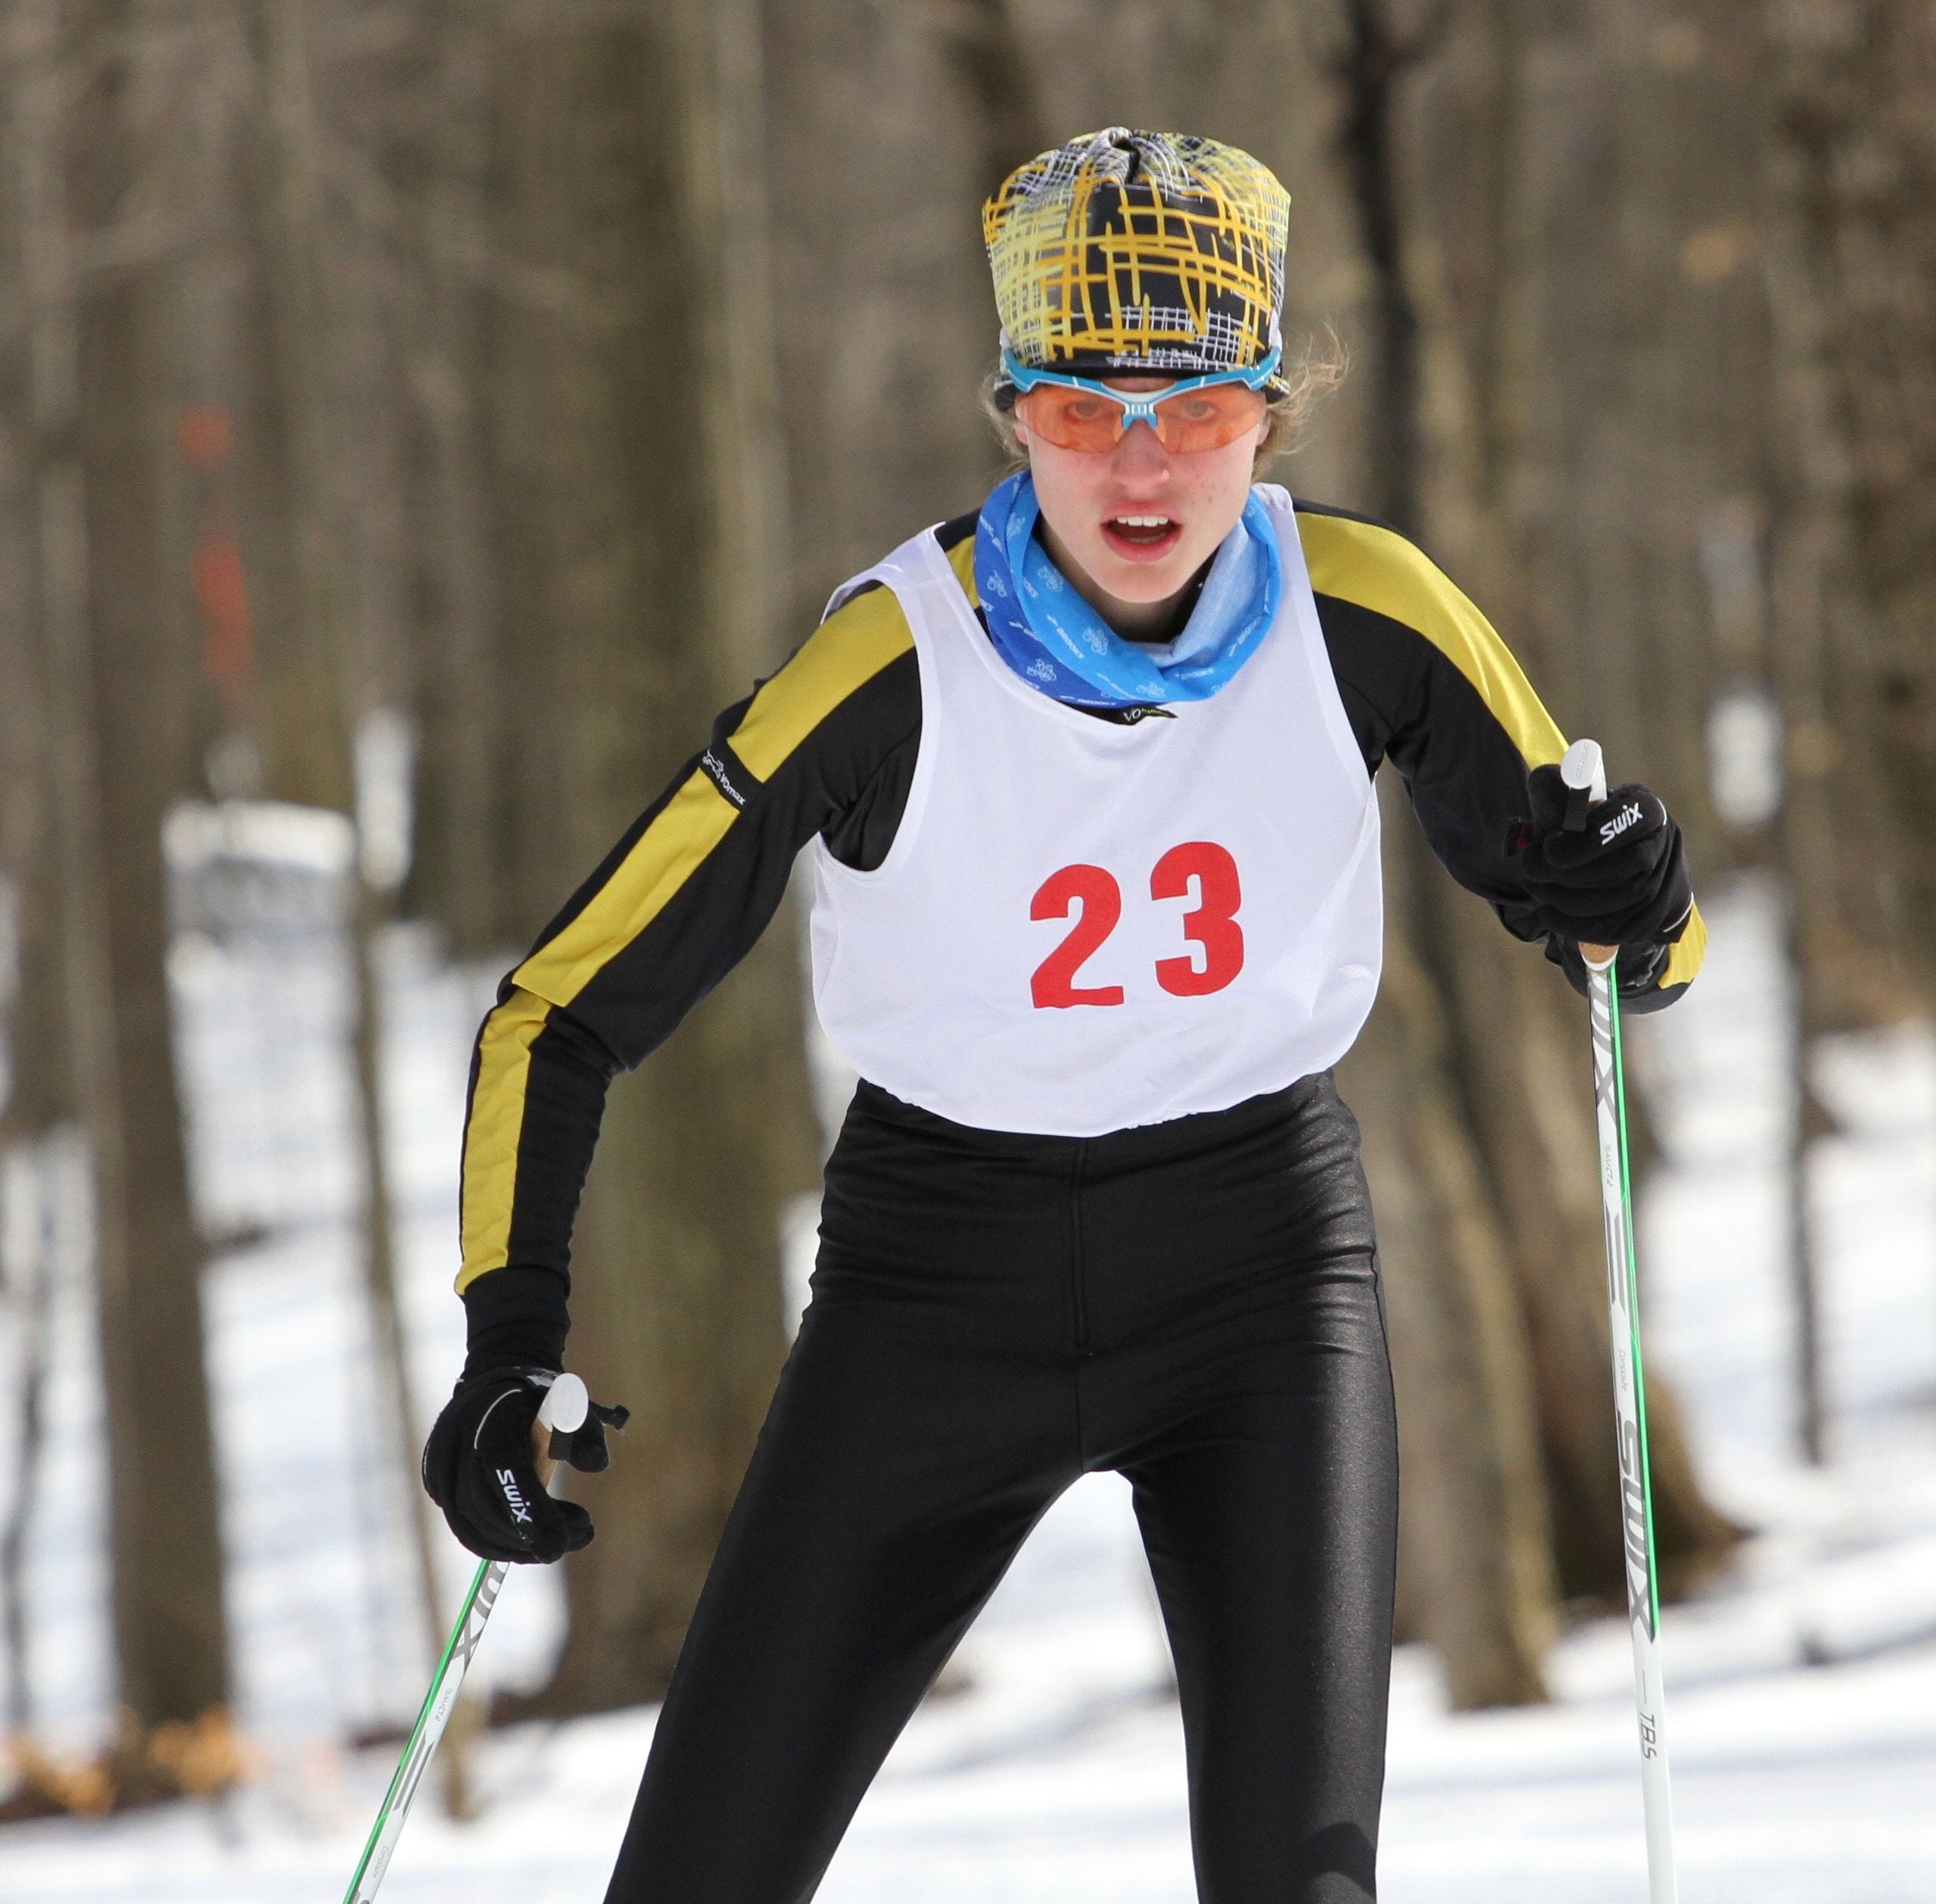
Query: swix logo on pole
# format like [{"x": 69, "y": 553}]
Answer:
[
  {"x": 474, "y": 1622},
  {"x": 438, "y": 1704},
  {"x": 1611, "y": 830},
  {"x": 443, "y": 1697},
  {"x": 1633, "y": 1512}
]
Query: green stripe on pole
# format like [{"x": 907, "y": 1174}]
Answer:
[
  {"x": 416, "y": 1732},
  {"x": 1634, "y": 1296}
]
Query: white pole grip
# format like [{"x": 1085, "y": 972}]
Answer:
[
  {"x": 1584, "y": 768},
  {"x": 566, "y": 1405}
]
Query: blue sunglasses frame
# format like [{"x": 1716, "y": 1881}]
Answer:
[{"x": 1138, "y": 406}]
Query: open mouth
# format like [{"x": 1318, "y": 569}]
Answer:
[{"x": 1141, "y": 536}]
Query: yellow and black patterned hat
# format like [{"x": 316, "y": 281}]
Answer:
[{"x": 1139, "y": 251}]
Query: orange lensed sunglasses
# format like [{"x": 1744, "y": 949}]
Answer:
[{"x": 1083, "y": 413}]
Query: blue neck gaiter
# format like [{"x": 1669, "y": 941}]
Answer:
[{"x": 1059, "y": 645}]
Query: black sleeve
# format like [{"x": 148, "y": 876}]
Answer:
[
  {"x": 1428, "y": 684},
  {"x": 825, "y": 746}
]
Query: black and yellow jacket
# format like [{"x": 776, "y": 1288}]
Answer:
[{"x": 827, "y": 746}]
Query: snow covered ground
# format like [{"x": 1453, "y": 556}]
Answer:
[{"x": 1802, "y": 1691}]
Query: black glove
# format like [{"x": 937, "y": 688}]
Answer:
[
  {"x": 480, "y": 1467},
  {"x": 1615, "y": 874}
]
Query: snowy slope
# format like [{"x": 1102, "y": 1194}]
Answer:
[{"x": 1058, "y": 1774}]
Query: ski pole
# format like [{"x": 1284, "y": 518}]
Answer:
[
  {"x": 1584, "y": 772},
  {"x": 563, "y": 1412}
]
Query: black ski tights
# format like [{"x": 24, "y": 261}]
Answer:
[{"x": 1195, "y": 1304}]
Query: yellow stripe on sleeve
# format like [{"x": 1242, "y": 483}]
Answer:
[
  {"x": 845, "y": 652},
  {"x": 1378, "y": 569},
  {"x": 850, "y": 647},
  {"x": 662, "y": 859},
  {"x": 490, "y": 1138},
  {"x": 1689, "y": 950},
  {"x": 961, "y": 559}
]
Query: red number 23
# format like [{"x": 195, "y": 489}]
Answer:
[{"x": 1211, "y": 925}]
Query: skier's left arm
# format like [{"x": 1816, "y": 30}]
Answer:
[{"x": 1427, "y": 683}]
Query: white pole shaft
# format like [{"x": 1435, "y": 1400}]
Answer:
[
  {"x": 564, "y": 1408},
  {"x": 1582, "y": 770}
]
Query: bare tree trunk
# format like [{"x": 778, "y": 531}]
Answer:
[
  {"x": 102, "y": 373},
  {"x": 1523, "y": 1066},
  {"x": 648, "y": 548},
  {"x": 1517, "y": 1038},
  {"x": 39, "y": 1090},
  {"x": 986, "y": 55},
  {"x": 27, "y": 1287},
  {"x": 890, "y": 324},
  {"x": 1375, "y": 54},
  {"x": 1849, "y": 267},
  {"x": 459, "y": 877},
  {"x": 1476, "y": 1573},
  {"x": 1810, "y": 537},
  {"x": 303, "y": 336},
  {"x": 23, "y": 855},
  {"x": 37, "y": 1093},
  {"x": 1493, "y": 1634}
]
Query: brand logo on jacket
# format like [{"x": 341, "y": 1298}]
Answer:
[{"x": 717, "y": 769}]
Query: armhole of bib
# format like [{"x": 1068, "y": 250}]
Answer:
[
  {"x": 894, "y": 578},
  {"x": 1317, "y": 655}
]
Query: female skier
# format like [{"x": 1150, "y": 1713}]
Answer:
[{"x": 1088, "y": 774}]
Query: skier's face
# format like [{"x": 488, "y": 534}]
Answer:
[{"x": 1138, "y": 521}]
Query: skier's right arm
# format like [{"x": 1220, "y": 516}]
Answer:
[{"x": 826, "y": 745}]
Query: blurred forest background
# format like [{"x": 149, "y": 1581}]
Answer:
[{"x": 430, "y": 411}]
